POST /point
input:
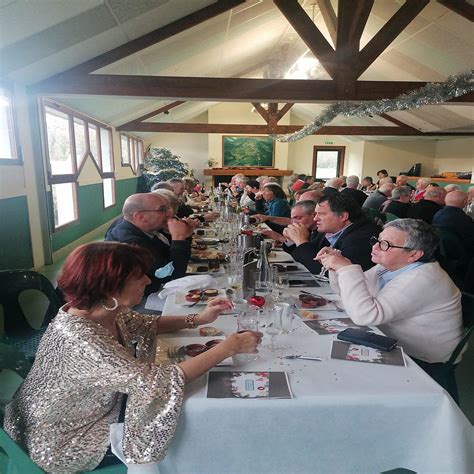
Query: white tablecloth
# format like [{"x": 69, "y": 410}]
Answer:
[{"x": 344, "y": 417}]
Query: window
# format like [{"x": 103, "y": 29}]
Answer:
[
  {"x": 132, "y": 151},
  {"x": 328, "y": 161},
  {"x": 9, "y": 145},
  {"x": 70, "y": 138}
]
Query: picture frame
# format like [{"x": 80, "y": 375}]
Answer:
[{"x": 248, "y": 151}]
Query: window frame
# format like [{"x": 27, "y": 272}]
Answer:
[
  {"x": 78, "y": 167},
  {"x": 341, "y": 151},
  {"x": 17, "y": 158},
  {"x": 134, "y": 145}
]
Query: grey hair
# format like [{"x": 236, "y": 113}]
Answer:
[
  {"x": 307, "y": 206},
  {"x": 452, "y": 187},
  {"x": 162, "y": 185},
  {"x": 420, "y": 236},
  {"x": 173, "y": 200},
  {"x": 401, "y": 191},
  {"x": 352, "y": 181}
]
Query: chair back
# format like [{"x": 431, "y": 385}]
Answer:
[
  {"x": 390, "y": 217},
  {"x": 12, "y": 284}
]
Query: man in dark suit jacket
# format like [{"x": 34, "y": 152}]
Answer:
[
  {"x": 352, "y": 190},
  {"x": 453, "y": 217},
  {"x": 144, "y": 217},
  {"x": 399, "y": 203},
  {"x": 340, "y": 224},
  {"x": 426, "y": 208}
]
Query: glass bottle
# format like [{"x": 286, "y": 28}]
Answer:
[
  {"x": 246, "y": 228},
  {"x": 263, "y": 265}
]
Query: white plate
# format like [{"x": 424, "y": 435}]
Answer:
[
  {"x": 180, "y": 298},
  {"x": 330, "y": 306},
  {"x": 192, "y": 269}
]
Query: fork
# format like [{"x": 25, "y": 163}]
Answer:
[{"x": 302, "y": 357}]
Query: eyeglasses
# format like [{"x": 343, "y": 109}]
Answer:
[
  {"x": 384, "y": 245},
  {"x": 160, "y": 209}
]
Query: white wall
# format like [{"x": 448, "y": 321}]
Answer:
[
  {"x": 454, "y": 155},
  {"x": 191, "y": 147}
]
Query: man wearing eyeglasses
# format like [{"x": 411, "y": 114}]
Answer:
[
  {"x": 341, "y": 224},
  {"x": 144, "y": 217},
  {"x": 407, "y": 294}
]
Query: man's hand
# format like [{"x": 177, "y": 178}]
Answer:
[
  {"x": 298, "y": 233},
  {"x": 261, "y": 217},
  {"x": 180, "y": 229},
  {"x": 271, "y": 234}
]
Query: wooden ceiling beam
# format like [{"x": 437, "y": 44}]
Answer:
[
  {"x": 309, "y": 33},
  {"x": 162, "y": 110},
  {"x": 156, "y": 127},
  {"x": 284, "y": 110},
  {"x": 351, "y": 20},
  {"x": 461, "y": 7},
  {"x": 155, "y": 36},
  {"x": 382, "y": 39},
  {"x": 329, "y": 17},
  {"x": 225, "y": 89},
  {"x": 261, "y": 110},
  {"x": 397, "y": 122}
]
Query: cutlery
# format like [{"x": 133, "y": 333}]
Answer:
[
  {"x": 311, "y": 294},
  {"x": 197, "y": 301},
  {"x": 302, "y": 357}
]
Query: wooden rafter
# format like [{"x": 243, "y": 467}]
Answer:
[
  {"x": 309, "y": 33},
  {"x": 161, "y": 110},
  {"x": 282, "y": 112},
  {"x": 351, "y": 20},
  {"x": 225, "y": 89},
  {"x": 264, "y": 129},
  {"x": 160, "y": 34},
  {"x": 261, "y": 110},
  {"x": 329, "y": 17},
  {"x": 461, "y": 7},
  {"x": 382, "y": 39},
  {"x": 398, "y": 122}
]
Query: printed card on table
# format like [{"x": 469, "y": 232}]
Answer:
[
  {"x": 248, "y": 385},
  {"x": 357, "y": 353},
  {"x": 332, "y": 326}
]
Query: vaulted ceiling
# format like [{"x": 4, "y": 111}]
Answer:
[{"x": 173, "y": 49}]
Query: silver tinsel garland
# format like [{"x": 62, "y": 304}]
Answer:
[{"x": 432, "y": 93}]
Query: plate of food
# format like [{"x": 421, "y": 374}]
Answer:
[
  {"x": 316, "y": 302},
  {"x": 203, "y": 268},
  {"x": 197, "y": 296},
  {"x": 201, "y": 255}
]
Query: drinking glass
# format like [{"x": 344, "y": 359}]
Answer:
[
  {"x": 247, "y": 320},
  {"x": 287, "y": 317},
  {"x": 273, "y": 326}
]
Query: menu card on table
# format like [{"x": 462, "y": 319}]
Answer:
[
  {"x": 332, "y": 326},
  {"x": 248, "y": 385},
  {"x": 357, "y": 353}
]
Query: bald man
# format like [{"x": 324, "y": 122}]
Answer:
[
  {"x": 453, "y": 218},
  {"x": 426, "y": 208},
  {"x": 146, "y": 217}
]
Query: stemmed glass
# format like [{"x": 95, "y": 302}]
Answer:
[{"x": 322, "y": 274}]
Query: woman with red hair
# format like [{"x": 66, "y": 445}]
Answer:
[{"x": 97, "y": 356}]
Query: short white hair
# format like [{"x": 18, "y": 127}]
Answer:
[{"x": 352, "y": 181}]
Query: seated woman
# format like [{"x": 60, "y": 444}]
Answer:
[
  {"x": 407, "y": 294},
  {"x": 276, "y": 204},
  {"x": 96, "y": 351}
]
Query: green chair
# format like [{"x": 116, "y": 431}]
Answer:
[
  {"x": 18, "y": 331},
  {"x": 390, "y": 217}
]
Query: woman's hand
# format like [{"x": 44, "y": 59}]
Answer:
[
  {"x": 332, "y": 259},
  {"x": 243, "y": 342},
  {"x": 213, "y": 309}
]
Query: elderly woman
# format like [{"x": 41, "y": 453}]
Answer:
[
  {"x": 276, "y": 204},
  {"x": 407, "y": 294},
  {"x": 96, "y": 351}
]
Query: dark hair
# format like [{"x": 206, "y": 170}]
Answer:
[
  {"x": 302, "y": 176},
  {"x": 99, "y": 270},
  {"x": 253, "y": 183},
  {"x": 369, "y": 178},
  {"x": 385, "y": 172},
  {"x": 276, "y": 190},
  {"x": 338, "y": 203}
]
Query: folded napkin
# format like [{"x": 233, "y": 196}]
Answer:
[{"x": 187, "y": 283}]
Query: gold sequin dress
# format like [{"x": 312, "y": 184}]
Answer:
[{"x": 62, "y": 412}]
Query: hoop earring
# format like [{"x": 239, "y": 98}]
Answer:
[{"x": 111, "y": 308}]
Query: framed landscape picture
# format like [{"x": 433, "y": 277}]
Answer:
[{"x": 248, "y": 151}]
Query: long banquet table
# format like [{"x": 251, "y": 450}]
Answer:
[{"x": 344, "y": 417}]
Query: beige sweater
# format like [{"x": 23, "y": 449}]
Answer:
[{"x": 421, "y": 307}]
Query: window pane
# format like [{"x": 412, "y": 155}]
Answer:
[
  {"x": 132, "y": 155},
  {"x": 124, "y": 147},
  {"x": 326, "y": 164},
  {"x": 80, "y": 139},
  {"x": 59, "y": 142},
  {"x": 93, "y": 142},
  {"x": 7, "y": 143},
  {"x": 64, "y": 199},
  {"x": 106, "y": 149},
  {"x": 140, "y": 153},
  {"x": 109, "y": 191}
]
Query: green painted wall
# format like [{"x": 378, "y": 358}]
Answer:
[
  {"x": 91, "y": 211},
  {"x": 464, "y": 186},
  {"x": 15, "y": 236}
]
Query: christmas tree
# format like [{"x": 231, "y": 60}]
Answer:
[{"x": 160, "y": 165}]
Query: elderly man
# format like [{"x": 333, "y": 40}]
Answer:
[
  {"x": 145, "y": 216},
  {"x": 421, "y": 186},
  {"x": 469, "y": 209},
  {"x": 332, "y": 186},
  {"x": 453, "y": 218},
  {"x": 177, "y": 184},
  {"x": 352, "y": 190},
  {"x": 399, "y": 202},
  {"x": 402, "y": 180},
  {"x": 427, "y": 207},
  {"x": 340, "y": 224},
  {"x": 377, "y": 198},
  {"x": 407, "y": 294}
]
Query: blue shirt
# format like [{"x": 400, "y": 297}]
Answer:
[
  {"x": 332, "y": 238},
  {"x": 278, "y": 208},
  {"x": 386, "y": 276}
]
